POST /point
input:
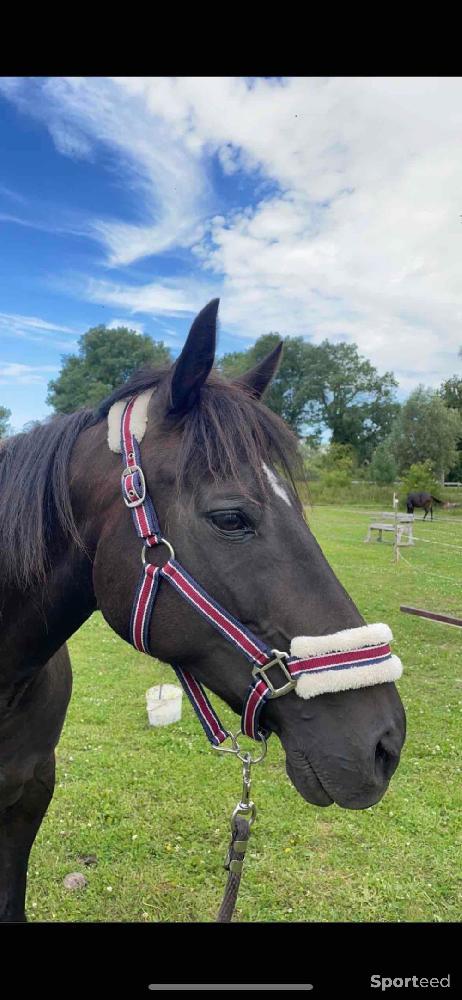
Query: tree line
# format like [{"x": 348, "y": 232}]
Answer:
[{"x": 321, "y": 390}]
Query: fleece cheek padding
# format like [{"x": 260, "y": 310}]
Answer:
[{"x": 353, "y": 658}]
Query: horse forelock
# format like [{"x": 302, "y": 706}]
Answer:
[{"x": 226, "y": 430}]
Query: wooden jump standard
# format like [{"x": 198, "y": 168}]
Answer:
[{"x": 434, "y": 617}]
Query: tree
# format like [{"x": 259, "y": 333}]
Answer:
[
  {"x": 383, "y": 468},
  {"x": 333, "y": 464},
  {"x": 354, "y": 401},
  {"x": 291, "y": 386},
  {"x": 337, "y": 465},
  {"x": 312, "y": 458},
  {"x": 5, "y": 415},
  {"x": 451, "y": 394},
  {"x": 105, "y": 359},
  {"x": 325, "y": 386},
  {"x": 426, "y": 429}
]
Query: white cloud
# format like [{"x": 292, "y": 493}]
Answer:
[
  {"x": 70, "y": 141},
  {"x": 357, "y": 234},
  {"x": 7, "y": 192},
  {"x": 170, "y": 187},
  {"x": 115, "y": 323},
  {"x": 33, "y": 322},
  {"x": 173, "y": 298},
  {"x": 12, "y": 372},
  {"x": 33, "y": 328},
  {"x": 49, "y": 223}
]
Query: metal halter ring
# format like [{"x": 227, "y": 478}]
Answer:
[
  {"x": 241, "y": 754},
  {"x": 162, "y": 541},
  {"x": 245, "y": 755},
  {"x": 234, "y": 749}
]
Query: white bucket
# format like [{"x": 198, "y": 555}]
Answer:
[{"x": 164, "y": 704}]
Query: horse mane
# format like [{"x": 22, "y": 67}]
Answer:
[
  {"x": 225, "y": 430},
  {"x": 35, "y": 496}
]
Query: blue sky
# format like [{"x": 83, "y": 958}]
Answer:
[{"x": 312, "y": 206}]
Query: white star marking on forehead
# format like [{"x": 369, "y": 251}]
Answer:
[{"x": 276, "y": 486}]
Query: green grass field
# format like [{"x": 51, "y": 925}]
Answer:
[{"x": 154, "y": 805}]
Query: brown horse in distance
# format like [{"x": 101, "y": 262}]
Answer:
[{"x": 425, "y": 500}]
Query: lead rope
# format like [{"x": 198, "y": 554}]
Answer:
[
  {"x": 242, "y": 819},
  {"x": 233, "y": 864}
]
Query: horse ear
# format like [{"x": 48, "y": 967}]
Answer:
[
  {"x": 258, "y": 378},
  {"x": 195, "y": 361}
]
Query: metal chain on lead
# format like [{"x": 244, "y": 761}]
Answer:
[{"x": 246, "y": 807}]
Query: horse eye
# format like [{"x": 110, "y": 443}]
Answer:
[{"x": 229, "y": 520}]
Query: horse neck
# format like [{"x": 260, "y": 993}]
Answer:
[
  {"x": 38, "y": 619},
  {"x": 36, "y": 622}
]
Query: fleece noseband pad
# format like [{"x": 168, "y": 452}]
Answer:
[{"x": 354, "y": 658}]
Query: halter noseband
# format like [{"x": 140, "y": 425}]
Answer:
[{"x": 328, "y": 654}]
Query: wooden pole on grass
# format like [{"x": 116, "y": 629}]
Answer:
[{"x": 432, "y": 615}]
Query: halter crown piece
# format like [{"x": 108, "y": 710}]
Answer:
[{"x": 353, "y": 658}]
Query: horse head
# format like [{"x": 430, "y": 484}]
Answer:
[{"x": 217, "y": 464}]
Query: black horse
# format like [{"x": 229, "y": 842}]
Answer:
[
  {"x": 67, "y": 546},
  {"x": 425, "y": 500}
]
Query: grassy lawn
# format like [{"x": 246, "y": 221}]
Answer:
[{"x": 154, "y": 805}]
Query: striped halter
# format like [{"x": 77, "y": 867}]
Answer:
[{"x": 358, "y": 663}]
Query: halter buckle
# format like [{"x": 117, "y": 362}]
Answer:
[
  {"x": 130, "y": 470},
  {"x": 279, "y": 660}
]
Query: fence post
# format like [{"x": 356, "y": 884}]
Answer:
[{"x": 396, "y": 542}]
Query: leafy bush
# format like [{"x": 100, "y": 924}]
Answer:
[
  {"x": 333, "y": 465},
  {"x": 383, "y": 468}
]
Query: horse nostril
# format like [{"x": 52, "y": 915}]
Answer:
[{"x": 386, "y": 759}]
